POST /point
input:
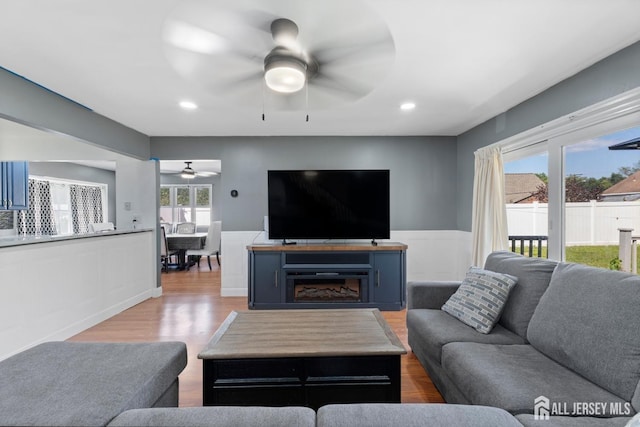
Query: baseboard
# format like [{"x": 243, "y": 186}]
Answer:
[
  {"x": 81, "y": 325},
  {"x": 234, "y": 292}
]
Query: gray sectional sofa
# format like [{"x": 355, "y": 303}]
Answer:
[
  {"x": 136, "y": 384},
  {"x": 350, "y": 415},
  {"x": 87, "y": 384},
  {"x": 568, "y": 332}
]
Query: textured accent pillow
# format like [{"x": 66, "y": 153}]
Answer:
[{"x": 479, "y": 300}]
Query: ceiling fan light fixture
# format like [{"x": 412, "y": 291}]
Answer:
[
  {"x": 408, "y": 106},
  {"x": 285, "y": 76},
  {"x": 187, "y": 172},
  {"x": 188, "y": 105}
]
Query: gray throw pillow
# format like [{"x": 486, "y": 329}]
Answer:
[{"x": 479, "y": 300}]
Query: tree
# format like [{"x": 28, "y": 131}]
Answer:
[
  {"x": 580, "y": 189},
  {"x": 577, "y": 189},
  {"x": 543, "y": 177},
  {"x": 542, "y": 193},
  {"x": 616, "y": 178},
  {"x": 629, "y": 170}
]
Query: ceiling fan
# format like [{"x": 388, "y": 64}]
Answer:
[
  {"x": 287, "y": 67},
  {"x": 189, "y": 173},
  {"x": 288, "y": 55}
]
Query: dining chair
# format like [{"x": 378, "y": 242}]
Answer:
[
  {"x": 186, "y": 228},
  {"x": 211, "y": 245},
  {"x": 165, "y": 253}
]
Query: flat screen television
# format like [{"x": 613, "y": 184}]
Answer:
[{"x": 328, "y": 204}]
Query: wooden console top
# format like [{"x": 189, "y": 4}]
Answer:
[{"x": 382, "y": 246}]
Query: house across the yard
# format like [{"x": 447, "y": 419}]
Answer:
[{"x": 521, "y": 187}]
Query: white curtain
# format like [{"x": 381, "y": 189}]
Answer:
[{"x": 489, "y": 221}]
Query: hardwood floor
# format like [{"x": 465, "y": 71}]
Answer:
[{"x": 191, "y": 309}]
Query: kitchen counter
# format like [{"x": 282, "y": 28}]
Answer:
[{"x": 19, "y": 240}]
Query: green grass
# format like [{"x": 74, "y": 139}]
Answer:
[{"x": 596, "y": 256}]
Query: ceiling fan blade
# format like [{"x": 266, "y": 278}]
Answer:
[
  {"x": 374, "y": 50},
  {"x": 322, "y": 93},
  {"x": 212, "y": 71},
  {"x": 206, "y": 28},
  {"x": 192, "y": 38},
  {"x": 261, "y": 19},
  {"x": 242, "y": 79},
  {"x": 343, "y": 86},
  {"x": 206, "y": 174},
  {"x": 243, "y": 90}
]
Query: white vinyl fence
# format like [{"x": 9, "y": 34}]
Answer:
[{"x": 586, "y": 223}]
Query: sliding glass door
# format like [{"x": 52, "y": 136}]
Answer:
[
  {"x": 601, "y": 196},
  {"x": 526, "y": 181}
]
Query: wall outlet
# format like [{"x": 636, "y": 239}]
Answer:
[{"x": 127, "y": 206}]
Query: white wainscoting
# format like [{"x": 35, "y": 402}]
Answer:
[
  {"x": 235, "y": 261},
  {"x": 54, "y": 290},
  {"x": 432, "y": 255},
  {"x": 436, "y": 254}
]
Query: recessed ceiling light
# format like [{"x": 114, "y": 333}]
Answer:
[
  {"x": 188, "y": 105},
  {"x": 408, "y": 106}
]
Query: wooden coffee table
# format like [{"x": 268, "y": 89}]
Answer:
[{"x": 302, "y": 357}]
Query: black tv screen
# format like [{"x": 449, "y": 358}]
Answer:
[{"x": 328, "y": 204}]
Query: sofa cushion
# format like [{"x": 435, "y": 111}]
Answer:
[
  {"x": 480, "y": 298},
  {"x": 218, "y": 416},
  {"x": 528, "y": 420},
  {"x": 512, "y": 376},
  {"x": 413, "y": 415},
  {"x": 85, "y": 384},
  {"x": 435, "y": 328},
  {"x": 533, "y": 276},
  {"x": 588, "y": 321}
]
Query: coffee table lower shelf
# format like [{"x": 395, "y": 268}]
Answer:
[{"x": 301, "y": 381}]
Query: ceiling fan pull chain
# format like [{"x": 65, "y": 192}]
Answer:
[
  {"x": 306, "y": 95},
  {"x": 263, "y": 84}
]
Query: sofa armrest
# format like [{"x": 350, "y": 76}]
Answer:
[{"x": 430, "y": 295}]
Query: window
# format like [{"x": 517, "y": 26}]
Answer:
[
  {"x": 186, "y": 203},
  {"x": 7, "y": 223},
  {"x": 62, "y": 207},
  {"x": 527, "y": 208},
  {"x": 595, "y": 210},
  {"x": 577, "y": 146}
]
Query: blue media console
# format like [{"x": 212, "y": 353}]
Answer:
[{"x": 327, "y": 276}]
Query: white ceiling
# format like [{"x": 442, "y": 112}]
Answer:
[{"x": 461, "y": 61}]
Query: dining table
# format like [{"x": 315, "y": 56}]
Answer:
[{"x": 181, "y": 243}]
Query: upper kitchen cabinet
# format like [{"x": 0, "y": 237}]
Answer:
[{"x": 14, "y": 185}]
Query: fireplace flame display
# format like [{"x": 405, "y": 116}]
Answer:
[{"x": 348, "y": 291}]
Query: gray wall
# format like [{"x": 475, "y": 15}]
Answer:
[
  {"x": 612, "y": 76},
  {"x": 24, "y": 102},
  {"x": 77, "y": 172},
  {"x": 429, "y": 180},
  {"x": 423, "y": 176}
]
